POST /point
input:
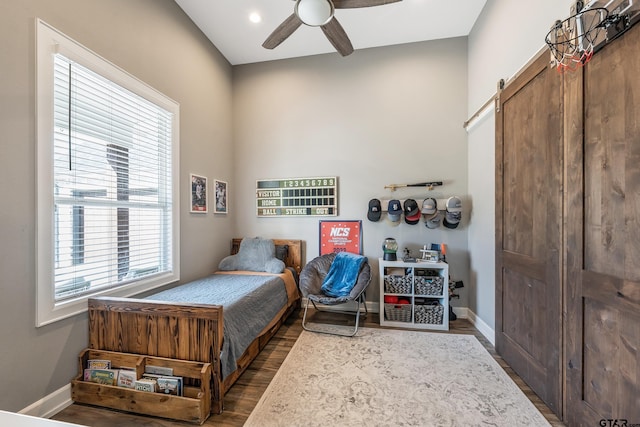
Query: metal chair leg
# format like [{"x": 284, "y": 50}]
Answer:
[
  {"x": 359, "y": 300},
  {"x": 304, "y": 316}
]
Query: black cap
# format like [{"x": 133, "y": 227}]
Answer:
[
  {"x": 410, "y": 207},
  {"x": 451, "y": 219},
  {"x": 411, "y": 212},
  {"x": 375, "y": 210}
]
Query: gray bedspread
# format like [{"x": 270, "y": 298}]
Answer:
[{"x": 250, "y": 302}]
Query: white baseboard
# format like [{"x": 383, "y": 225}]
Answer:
[
  {"x": 461, "y": 312},
  {"x": 478, "y": 323},
  {"x": 51, "y": 404},
  {"x": 481, "y": 326}
]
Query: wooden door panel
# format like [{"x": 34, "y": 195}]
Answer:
[
  {"x": 612, "y": 155},
  {"x": 529, "y": 229},
  {"x": 524, "y": 264},
  {"x": 525, "y": 173},
  {"x": 603, "y": 238},
  {"x": 611, "y": 360},
  {"x": 615, "y": 292},
  {"x": 629, "y": 366},
  {"x": 526, "y": 325}
]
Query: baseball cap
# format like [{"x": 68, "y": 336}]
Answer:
[
  {"x": 429, "y": 206},
  {"x": 411, "y": 212},
  {"x": 375, "y": 210},
  {"x": 434, "y": 221},
  {"x": 453, "y": 213},
  {"x": 394, "y": 210}
]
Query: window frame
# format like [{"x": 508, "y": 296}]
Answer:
[{"x": 50, "y": 41}]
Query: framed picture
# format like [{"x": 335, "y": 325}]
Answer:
[
  {"x": 198, "y": 194},
  {"x": 221, "y": 195},
  {"x": 340, "y": 236}
]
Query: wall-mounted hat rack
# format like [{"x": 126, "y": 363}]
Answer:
[
  {"x": 441, "y": 202},
  {"x": 430, "y": 210}
]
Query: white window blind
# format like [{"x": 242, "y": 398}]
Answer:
[
  {"x": 111, "y": 158},
  {"x": 112, "y": 183}
]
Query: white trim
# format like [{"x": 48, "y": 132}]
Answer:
[
  {"x": 50, "y": 41},
  {"x": 461, "y": 312},
  {"x": 51, "y": 404},
  {"x": 481, "y": 326},
  {"x": 373, "y": 307}
]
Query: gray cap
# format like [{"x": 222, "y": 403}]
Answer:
[
  {"x": 434, "y": 220},
  {"x": 429, "y": 206},
  {"x": 454, "y": 212}
]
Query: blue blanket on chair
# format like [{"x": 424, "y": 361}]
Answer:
[{"x": 342, "y": 275}]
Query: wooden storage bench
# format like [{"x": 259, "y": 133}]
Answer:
[{"x": 193, "y": 406}]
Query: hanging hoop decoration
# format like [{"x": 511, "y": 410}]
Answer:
[{"x": 572, "y": 41}]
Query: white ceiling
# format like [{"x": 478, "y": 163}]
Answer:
[{"x": 226, "y": 23}]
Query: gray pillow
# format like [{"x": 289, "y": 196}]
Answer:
[{"x": 254, "y": 254}]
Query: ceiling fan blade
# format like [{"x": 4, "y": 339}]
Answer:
[
  {"x": 283, "y": 31},
  {"x": 338, "y": 37},
  {"x": 350, "y": 4}
]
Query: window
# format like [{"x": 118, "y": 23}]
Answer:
[{"x": 108, "y": 192}]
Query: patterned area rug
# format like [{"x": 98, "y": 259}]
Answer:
[{"x": 392, "y": 378}]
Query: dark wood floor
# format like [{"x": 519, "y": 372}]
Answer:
[{"x": 244, "y": 395}]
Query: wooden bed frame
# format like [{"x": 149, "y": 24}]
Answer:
[{"x": 180, "y": 331}]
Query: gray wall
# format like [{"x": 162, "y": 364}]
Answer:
[
  {"x": 507, "y": 34},
  {"x": 154, "y": 41},
  {"x": 380, "y": 116}
]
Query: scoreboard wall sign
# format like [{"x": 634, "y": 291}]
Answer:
[{"x": 297, "y": 197}]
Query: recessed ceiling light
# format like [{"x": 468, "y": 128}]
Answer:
[{"x": 255, "y": 17}]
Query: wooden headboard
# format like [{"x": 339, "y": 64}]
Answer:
[{"x": 294, "y": 255}]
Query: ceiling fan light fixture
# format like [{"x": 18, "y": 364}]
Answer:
[{"x": 314, "y": 13}]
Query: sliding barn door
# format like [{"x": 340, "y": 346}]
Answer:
[
  {"x": 529, "y": 155},
  {"x": 603, "y": 237}
]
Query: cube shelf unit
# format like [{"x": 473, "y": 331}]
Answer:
[{"x": 424, "y": 285}]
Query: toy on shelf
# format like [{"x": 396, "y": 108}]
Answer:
[
  {"x": 389, "y": 248},
  {"x": 430, "y": 255},
  {"x": 407, "y": 256}
]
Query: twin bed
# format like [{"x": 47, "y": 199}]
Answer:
[{"x": 225, "y": 319}]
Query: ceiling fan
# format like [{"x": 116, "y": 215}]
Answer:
[{"x": 320, "y": 13}]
